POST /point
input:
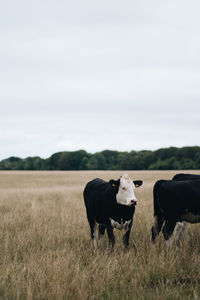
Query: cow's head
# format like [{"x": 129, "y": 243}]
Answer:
[{"x": 124, "y": 188}]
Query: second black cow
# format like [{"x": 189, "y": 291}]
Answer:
[
  {"x": 175, "y": 201},
  {"x": 110, "y": 205}
]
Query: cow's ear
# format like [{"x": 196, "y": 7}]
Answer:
[
  {"x": 114, "y": 183},
  {"x": 137, "y": 183}
]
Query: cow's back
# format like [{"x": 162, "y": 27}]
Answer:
[
  {"x": 99, "y": 198},
  {"x": 177, "y": 196},
  {"x": 96, "y": 188},
  {"x": 182, "y": 176}
]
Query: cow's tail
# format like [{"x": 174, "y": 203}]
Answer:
[{"x": 158, "y": 215}]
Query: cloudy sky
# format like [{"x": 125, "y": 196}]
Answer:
[{"x": 98, "y": 75}]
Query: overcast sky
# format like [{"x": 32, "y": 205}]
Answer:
[{"x": 96, "y": 75}]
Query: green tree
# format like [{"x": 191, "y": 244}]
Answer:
[
  {"x": 197, "y": 159},
  {"x": 52, "y": 161},
  {"x": 96, "y": 162},
  {"x": 84, "y": 164},
  {"x": 161, "y": 159},
  {"x": 165, "y": 153},
  {"x": 127, "y": 160},
  {"x": 92, "y": 163},
  {"x": 101, "y": 162},
  {"x": 29, "y": 163},
  {"x": 111, "y": 159},
  {"x": 187, "y": 164}
]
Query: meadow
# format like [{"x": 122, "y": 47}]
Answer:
[{"x": 46, "y": 251}]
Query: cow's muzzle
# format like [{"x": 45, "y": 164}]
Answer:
[{"x": 133, "y": 202}]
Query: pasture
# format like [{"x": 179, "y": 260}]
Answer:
[{"x": 46, "y": 251}]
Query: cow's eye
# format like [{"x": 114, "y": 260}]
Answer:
[{"x": 124, "y": 188}]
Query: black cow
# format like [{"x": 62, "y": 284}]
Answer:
[
  {"x": 175, "y": 201},
  {"x": 110, "y": 205},
  {"x": 182, "y": 226}
]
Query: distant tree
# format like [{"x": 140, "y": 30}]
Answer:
[
  {"x": 187, "y": 152},
  {"x": 197, "y": 159},
  {"x": 11, "y": 163},
  {"x": 112, "y": 159},
  {"x": 148, "y": 158},
  {"x": 66, "y": 160},
  {"x": 101, "y": 162},
  {"x": 167, "y": 164},
  {"x": 165, "y": 153},
  {"x": 29, "y": 163},
  {"x": 96, "y": 162},
  {"x": 161, "y": 159},
  {"x": 158, "y": 165},
  {"x": 173, "y": 164},
  {"x": 92, "y": 163},
  {"x": 52, "y": 161},
  {"x": 84, "y": 164},
  {"x": 38, "y": 163},
  {"x": 71, "y": 160},
  {"x": 187, "y": 163},
  {"x": 127, "y": 160}
]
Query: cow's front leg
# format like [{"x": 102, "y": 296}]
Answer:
[
  {"x": 127, "y": 233},
  {"x": 111, "y": 236}
]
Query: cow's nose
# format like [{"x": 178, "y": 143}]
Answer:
[{"x": 133, "y": 202}]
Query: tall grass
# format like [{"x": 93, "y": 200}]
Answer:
[{"x": 46, "y": 251}]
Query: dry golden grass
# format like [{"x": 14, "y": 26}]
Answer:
[{"x": 46, "y": 251}]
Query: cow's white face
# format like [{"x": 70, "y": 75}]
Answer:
[{"x": 125, "y": 194}]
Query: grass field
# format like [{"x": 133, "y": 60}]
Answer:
[{"x": 46, "y": 251}]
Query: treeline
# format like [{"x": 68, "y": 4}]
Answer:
[{"x": 163, "y": 159}]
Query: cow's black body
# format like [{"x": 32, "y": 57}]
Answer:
[
  {"x": 175, "y": 201},
  {"x": 101, "y": 207}
]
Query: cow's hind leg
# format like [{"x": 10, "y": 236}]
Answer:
[
  {"x": 101, "y": 230},
  {"x": 168, "y": 230},
  {"x": 111, "y": 236},
  {"x": 93, "y": 231},
  {"x": 156, "y": 228}
]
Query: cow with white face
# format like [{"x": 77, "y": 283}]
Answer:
[
  {"x": 110, "y": 205},
  {"x": 125, "y": 194}
]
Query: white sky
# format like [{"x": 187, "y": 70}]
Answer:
[{"x": 96, "y": 75}]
